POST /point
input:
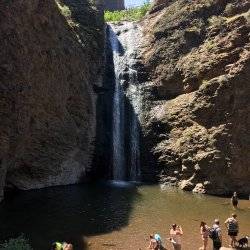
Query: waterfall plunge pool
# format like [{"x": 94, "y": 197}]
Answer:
[{"x": 106, "y": 216}]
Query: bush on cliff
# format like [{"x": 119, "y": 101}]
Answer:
[
  {"x": 133, "y": 14},
  {"x": 19, "y": 243}
]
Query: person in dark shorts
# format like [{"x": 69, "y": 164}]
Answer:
[
  {"x": 235, "y": 200},
  {"x": 232, "y": 229}
]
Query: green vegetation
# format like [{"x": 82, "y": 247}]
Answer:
[
  {"x": 19, "y": 243},
  {"x": 133, "y": 14}
]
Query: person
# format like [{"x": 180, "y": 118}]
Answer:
[
  {"x": 232, "y": 229},
  {"x": 215, "y": 235},
  {"x": 204, "y": 231},
  {"x": 57, "y": 246},
  {"x": 152, "y": 243},
  {"x": 235, "y": 200},
  {"x": 61, "y": 246},
  {"x": 68, "y": 247},
  {"x": 158, "y": 241},
  {"x": 175, "y": 236}
]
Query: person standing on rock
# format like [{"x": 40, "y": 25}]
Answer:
[
  {"x": 175, "y": 234},
  {"x": 215, "y": 235},
  {"x": 204, "y": 230},
  {"x": 233, "y": 229},
  {"x": 235, "y": 200}
]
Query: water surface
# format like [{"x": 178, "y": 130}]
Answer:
[{"x": 107, "y": 216}]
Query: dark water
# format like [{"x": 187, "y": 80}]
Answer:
[
  {"x": 65, "y": 213},
  {"x": 109, "y": 217}
]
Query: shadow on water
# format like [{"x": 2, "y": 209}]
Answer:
[{"x": 68, "y": 213}]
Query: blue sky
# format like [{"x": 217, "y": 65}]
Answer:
[{"x": 131, "y": 3}]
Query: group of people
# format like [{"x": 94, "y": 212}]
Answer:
[
  {"x": 175, "y": 238},
  {"x": 214, "y": 233},
  {"x": 176, "y": 232}
]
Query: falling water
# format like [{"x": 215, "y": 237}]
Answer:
[
  {"x": 124, "y": 39},
  {"x": 118, "y": 113}
]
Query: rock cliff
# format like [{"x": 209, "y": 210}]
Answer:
[
  {"x": 50, "y": 62},
  {"x": 197, "y": 122}
]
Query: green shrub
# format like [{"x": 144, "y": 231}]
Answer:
[
  {"x": 19, "y": 243},
  {"x": 133, "y": 14}
]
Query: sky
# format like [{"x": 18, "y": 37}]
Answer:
[{"x": 133, "y": 3}]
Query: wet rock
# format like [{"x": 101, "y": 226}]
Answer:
[
  {"x": 186, "y": 185},
  {"x": 199, "y": 188}
]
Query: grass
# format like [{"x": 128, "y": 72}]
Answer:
[
  {"x": 133, "y": 14},
  {"x": 19, "y": 243}
]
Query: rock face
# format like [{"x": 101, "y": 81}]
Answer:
[
  {"x": 50, "y": 59},
  {"x": 198, "y": 60}
]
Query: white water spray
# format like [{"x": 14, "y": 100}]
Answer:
[{"x": 124, "y": 39}]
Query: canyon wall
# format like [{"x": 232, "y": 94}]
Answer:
[
  {"x": 196, "y": 119},
  {"x": 50, "y": 66}
]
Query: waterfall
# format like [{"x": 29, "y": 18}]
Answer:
[{"x": 123, "y": 38}]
